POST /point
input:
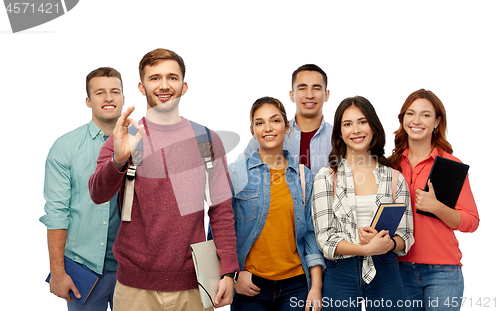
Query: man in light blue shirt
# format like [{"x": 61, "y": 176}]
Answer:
[
  {"x": 310, "y": 139},
  {"x": 77, "y": 227}
]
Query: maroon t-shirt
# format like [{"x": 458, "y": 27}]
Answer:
[{"x": 305, "y": 151}]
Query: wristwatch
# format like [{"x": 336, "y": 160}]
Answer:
[{"x": 232, "y": 275}]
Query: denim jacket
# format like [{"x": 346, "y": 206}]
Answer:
[{"x": 250, "y": 180}]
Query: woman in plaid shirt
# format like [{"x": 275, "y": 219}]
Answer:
[{"x": 361, "y": 262}]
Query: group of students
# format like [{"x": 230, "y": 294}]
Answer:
[{"x": 303, "y": 195}]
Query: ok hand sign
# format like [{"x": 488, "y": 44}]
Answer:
[{"x": 125, "y": 143}]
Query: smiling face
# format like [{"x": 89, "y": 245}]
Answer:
[
  {"x": 309, "y": 93},
  {"x": 105, "y": 98},
  {"x": 355, "y": 131},
  {"x": 269, "y": 128},
  {"x": 420, "y": 120},
  {"x": 163, "y": 85}
]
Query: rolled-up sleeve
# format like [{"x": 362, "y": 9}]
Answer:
[
  {"x": 405, "y": 228},
  {"x": 314, "y": 256},
  {"x": 466, "y": 205},
  {"x": 57, "y": 186}
]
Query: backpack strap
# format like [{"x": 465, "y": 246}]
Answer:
[
  {"x": 204, "y": 139},
  {"x": 303, "y": 184},
  {"x": 394, "y": 185},
  {"x": 128, "y": 193}
]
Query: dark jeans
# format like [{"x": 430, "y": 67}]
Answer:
[
  {"x": 343, "y": 285},
  {"x": 281, "y": 295}
]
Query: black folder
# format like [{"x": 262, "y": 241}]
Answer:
[{"x": 447, "y": 177}]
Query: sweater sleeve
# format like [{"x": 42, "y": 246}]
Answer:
[
  {"x": 106, "y": 180},
  {"x": 221, "y": 212}
]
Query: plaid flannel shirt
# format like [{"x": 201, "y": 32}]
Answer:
[{"x": 334, "y": 219}]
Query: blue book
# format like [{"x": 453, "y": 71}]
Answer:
[
  {"x": 388, "y": 217},
  {"x": 83, "y": 278}
]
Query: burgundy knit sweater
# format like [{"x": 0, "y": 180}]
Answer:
[{"x": 168, "y": 208}]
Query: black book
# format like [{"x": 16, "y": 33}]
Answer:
[{"x": 447, "y": 177}]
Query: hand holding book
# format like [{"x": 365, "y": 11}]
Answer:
[
  {"x": 379, "y": 242},
  {"x": 61, "y": 284},
  {"x": 84, "y": 279}
]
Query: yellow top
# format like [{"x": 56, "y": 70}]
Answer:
[{"x": 274, "y": 255}]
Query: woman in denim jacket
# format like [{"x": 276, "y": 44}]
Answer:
[{"x": 281, "y": 265}]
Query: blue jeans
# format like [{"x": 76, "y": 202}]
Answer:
[
  {"x": 432, "y": 287},
  {"x": 284, "y": 295},
  {"x": 344, "y": 287},
  {"x": 101, "y": 295}
]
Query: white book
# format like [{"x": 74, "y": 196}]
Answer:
[{"x": 207, "y": 267}]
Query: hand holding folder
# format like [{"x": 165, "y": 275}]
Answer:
[{"x": 447, "y": 178}]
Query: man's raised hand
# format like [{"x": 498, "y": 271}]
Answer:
[{"x": 125, "y": 143}]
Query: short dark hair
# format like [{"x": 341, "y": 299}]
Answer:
[
  {"x": 103, "y": 72},
  {"x": 309, "y": 67},
  {"x": 152, "y": 58},
  {"x": 377, "y": 144}
]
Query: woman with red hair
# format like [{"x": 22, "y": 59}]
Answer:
[{"x": 431, "y": 271}]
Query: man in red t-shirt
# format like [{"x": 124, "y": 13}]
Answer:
[{"x": 309, "y": 141}]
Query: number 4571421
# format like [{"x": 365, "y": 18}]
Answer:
[
  {"x": 481, "y": 302},
  {"x": 26, "y": 7}
]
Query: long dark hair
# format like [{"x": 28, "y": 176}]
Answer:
[{"x": 377, "y": 144}]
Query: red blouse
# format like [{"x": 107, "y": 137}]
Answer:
[{"x": 435, "y": 242}]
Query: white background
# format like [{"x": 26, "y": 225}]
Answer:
[{"x": 236, "y": 53}]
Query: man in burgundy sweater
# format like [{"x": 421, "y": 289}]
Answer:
[{"x": 155, "y": 268}]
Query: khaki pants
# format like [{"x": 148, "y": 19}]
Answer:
[{"x": 135, "y": 299}]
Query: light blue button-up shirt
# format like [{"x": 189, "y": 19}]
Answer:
[
  {"x": 320, "y": 145},
  {"x": 70, "y": 163},
  {"x": 251, "y": 185}
]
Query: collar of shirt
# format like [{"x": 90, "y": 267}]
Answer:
[
  {"x": 94, "y": 130},
  {"x": 293, "y": 124}
]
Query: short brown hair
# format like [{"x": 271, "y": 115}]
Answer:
[
  {"x": 309, "y": 67},
  {"x": 152, "y": 58},
  {"x": 103, "y": 72}
]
